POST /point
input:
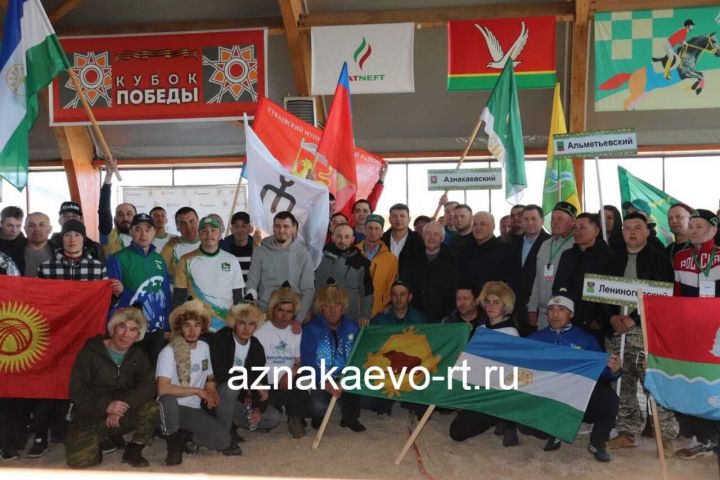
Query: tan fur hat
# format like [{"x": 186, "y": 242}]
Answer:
[
  {"x": 245, "y": 311},
  {"x": 128, "y": 314},
  {"x": 195, "y": 310}
]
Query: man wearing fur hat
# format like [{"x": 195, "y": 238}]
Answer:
[
  {"x": 113, "y": 390},
  {"x": 282, "y": 349},
  {"x": 329, "y": 337},
  {"x": 235, "y": 346},
  {"x": 185, "y": 381}
]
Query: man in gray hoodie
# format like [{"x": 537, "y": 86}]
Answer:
[{"x": 279, "y": 259}]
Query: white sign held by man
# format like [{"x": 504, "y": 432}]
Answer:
[
  {"x": 465, "y": 179},
  {"x": 598, "y": 143},
  {"x": 620, "y": 290}
]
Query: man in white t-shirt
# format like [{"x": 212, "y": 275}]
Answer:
[
  {"x": 210, "y": 274},
  {"x": 282, "y": 349},
  {"x": 185, "y": 380}
]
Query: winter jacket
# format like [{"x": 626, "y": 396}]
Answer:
[
  {"x": 272, "y": 266},
  {"x": 384, "y": 271},
  {"x": 490, "y": 261},
  {"x": 319, "y": 342},
  {"x": 687, "y": 273},
  {"x": 96, "y": 380},
  {"x": 351, "y": 271},
  {"x": 432, "y": 283}
]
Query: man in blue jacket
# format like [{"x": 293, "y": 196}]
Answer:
[{"x": 602, "y": 408}]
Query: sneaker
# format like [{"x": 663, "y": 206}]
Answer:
[
  {"x": 107, "y": 446},
  {"x": 699, "y": 450},
  {"x": 9, "y": 454},
  {"x": 599, "y": 453},
  {"x": 232, "y": 451},
  {"x": 39, "y": 448},
  {"x": 552, "y": 444},
  {"x": 510, "y": 438},
  {"x": 624, "y": 440},
  {"x": 353, "y": 425},
  {"x": 296, "y": 427}
]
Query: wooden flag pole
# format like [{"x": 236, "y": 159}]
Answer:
[
  {"x": 414, "y": 434},
  {"x": 96, "y": 128},
  {"x": 462, "y": 158},
  {"x": 653, "y": 406},
  {"x": 325, "y": 420}
]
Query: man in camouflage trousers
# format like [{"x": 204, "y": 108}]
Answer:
[
  {"x": 113, "y": 388},
  {"x": 639, "y": 261}
]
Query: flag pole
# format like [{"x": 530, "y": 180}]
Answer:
[
  {"x": 414, "y": 434},
  {"x": 622, "y": 352},
  {"x": 471, "y": 139},
  {"x": 96, "y": 128},
  {"x": 602, "y": 205},
  {"x": 653, "y": 405},
  {"x": 325, "y": 420}
]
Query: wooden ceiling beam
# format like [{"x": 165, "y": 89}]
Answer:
[
  {"x": 274, "y": 25},
  {"x": 579, "y": 60},
  {"x": 63, "y": 9},
  {"x": 563, "y": 11},
  {"x": 298, "y": 44}
]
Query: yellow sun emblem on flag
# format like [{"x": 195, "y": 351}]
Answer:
[
  {"x": 24, "y": 336},
  {"x": 405, "y": 350}
]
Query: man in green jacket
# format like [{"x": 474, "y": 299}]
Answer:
[{"x": 113, "y": 388}]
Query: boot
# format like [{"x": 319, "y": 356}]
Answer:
[
  {"x": 175, "y": 447},
  {"x": 133, "y": 455}
]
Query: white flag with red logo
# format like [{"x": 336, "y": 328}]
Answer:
[{"x": 379, "y": 57}]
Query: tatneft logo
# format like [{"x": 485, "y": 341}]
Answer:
[{"x": 360, "y": 56}]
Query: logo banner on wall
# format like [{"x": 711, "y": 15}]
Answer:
[
  {"x": 657, "y": 59},
  {"x": 479, "y": 49},
  {"x": 213, "y": 75},
  {"x": 379, "y": 58}
]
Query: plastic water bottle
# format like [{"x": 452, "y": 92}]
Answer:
[{"x": 248, "y": 413}]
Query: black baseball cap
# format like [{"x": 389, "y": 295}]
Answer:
[
  {"x": 70, "y": 207},
  {"x": 142, "y": 217}
]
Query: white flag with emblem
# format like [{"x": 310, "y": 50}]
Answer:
[
  {"x": 272, "y": 189},
  {"x": 379, "y": 57}
]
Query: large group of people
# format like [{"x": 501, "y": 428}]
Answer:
[{"x": 187, "y": 309}]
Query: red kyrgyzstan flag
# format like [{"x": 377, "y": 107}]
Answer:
[{"x": 43, "y": 326}]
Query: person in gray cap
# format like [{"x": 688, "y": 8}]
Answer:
[
  {"x": 73, "y": 211},
  {"x": 562, "y": 221},
  {"x": 383, "y": 264},
  {"x": 603, "y": 405}
]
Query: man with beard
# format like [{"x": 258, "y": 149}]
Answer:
[
  {"x": 463, "y": 221},
  {"x": 141, "y": 276},
  {"x": 383, "y": 264},
  {"x": 278, "y": 259},
  {"x": 351, "y": 271},
  {"x": 117, "y": 238},
  {"x": 210, "y": 274}
]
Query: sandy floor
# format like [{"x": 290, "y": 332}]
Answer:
[{"x": 345, "y": 454}]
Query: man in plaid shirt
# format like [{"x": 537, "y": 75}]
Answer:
[{"x": 71, "y": 262}]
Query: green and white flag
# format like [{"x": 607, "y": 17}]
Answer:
[
  {"x": 504, "y": 128},
  {"x": 30, "y": 57}
]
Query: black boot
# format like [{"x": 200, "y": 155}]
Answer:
[
  {"x": 175, "y": 447},
  {"x": 133, "y": 455}
]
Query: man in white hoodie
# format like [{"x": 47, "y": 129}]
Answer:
[{"x": 279, "y": 259}]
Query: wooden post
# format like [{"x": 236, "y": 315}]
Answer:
[
  {"x": 580, "y": 57},
  {"x": 471, "y": 139},
  {"x": 96, "y": 128},
  {"x": 325, "y": 420},
  {"x": 414, "y": 434}
]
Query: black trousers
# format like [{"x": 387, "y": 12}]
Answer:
[
  {"x": 14, "y": 418},
  {"x": 601, "y": 412},
  {"x": 468, "y": 424},
  {"x": 704, "y": 430},
  {"x": 293, "y": 400},
  {"x": 151, "y": 344},
  {"x": 320, "y": 399},
  {"x": 49, "y": 414}
]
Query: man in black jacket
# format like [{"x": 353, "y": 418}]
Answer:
[
  {"x": 486, "y": 258},
  {"x": 524, "y": 257},
  {"x": 432, "y": 275},
  {"x": 234, "y": 352},
  {"x": 402, "y": 242},
  {"x": 590, "y": 254},
  {"x": 640, "y": 260}
]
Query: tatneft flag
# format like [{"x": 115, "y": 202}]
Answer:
[
  {"x": 30, "y": 57},
  {"x": 434, "y": 347},
  {"x": 337, "y": 145},
  {"x": 683, "y": 363},
  {"x": 504, "y": 129},
  {"x": 554, "y": 383},
  {"x": 272, "y": 189},
  {"x": 479, "y": 49},
  {"x": 379, "y": 57},
  {"x": 43, "y": 326},
  {"x": 639, "y": 194},
  {"x": 294, "y": 142},
  {"x": 559, "y": 174}
]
